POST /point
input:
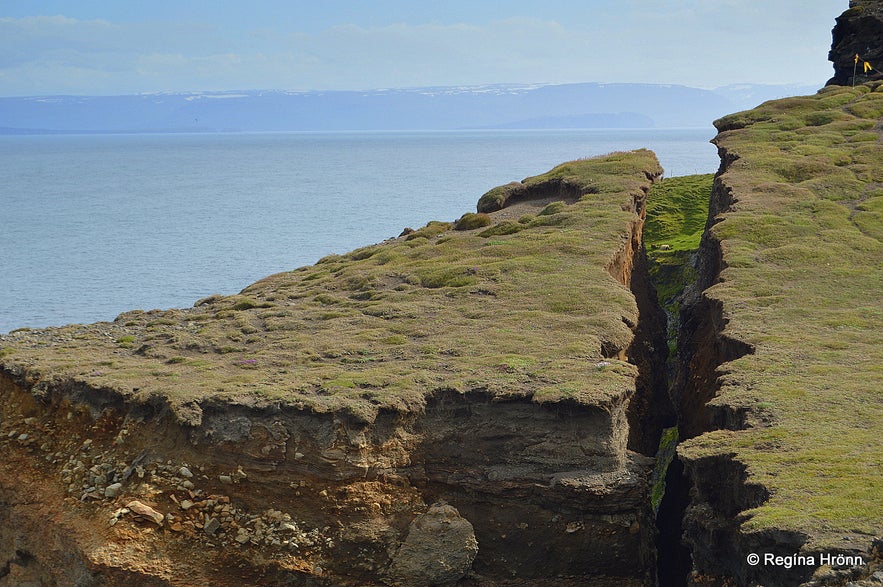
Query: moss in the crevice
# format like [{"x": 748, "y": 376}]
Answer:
[
  {"x": 677, "y": 209},
  {"x": 668, "y": 445}
]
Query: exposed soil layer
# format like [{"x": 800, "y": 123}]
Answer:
[
  {"x": 119, "y": 472},
  {"x": 334, "y": 497}
]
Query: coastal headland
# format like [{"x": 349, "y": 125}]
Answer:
[{"x": 577, "y": 384}]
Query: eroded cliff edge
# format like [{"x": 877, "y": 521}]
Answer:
[
  {"x": 450, "y": 405},
  {"x": 779, "y": 389}
]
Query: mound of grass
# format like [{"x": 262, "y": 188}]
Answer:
[
  {"x": 803, "y": 267},
  {"x": 505, "y": 227},
  {"x": 471, "y": 221},
  {"x": 521, "y": 314},
  {"x": 553, "y": 208},
  {"x": 432, "y": 229},
  {"x": 497, "y": 197},
  {"x": 572, "y": 180}
]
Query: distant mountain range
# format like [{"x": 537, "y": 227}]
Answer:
[{"x": 584, "y": 105}]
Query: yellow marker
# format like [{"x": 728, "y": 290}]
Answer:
[
  {"x": 856, "y": 58},
  {"x": 868, "y": 67}
]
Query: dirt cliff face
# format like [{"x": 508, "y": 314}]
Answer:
[
  {"x": 423, "y": 411},
  {"x": 859, "y": 31}
]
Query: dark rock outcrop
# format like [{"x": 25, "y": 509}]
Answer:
[{"x": 859, "y": 31}]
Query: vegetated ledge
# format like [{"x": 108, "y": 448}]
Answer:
[
  {"x": 781, "y": 346},
  {"x": 388, "y": 415}
]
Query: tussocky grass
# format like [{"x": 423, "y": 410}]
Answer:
[
  {"x": 521, "y": 311},
  {"x": 803, "y": 268}
]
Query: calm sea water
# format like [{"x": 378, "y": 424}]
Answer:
[{"x": 91, "y": 226}]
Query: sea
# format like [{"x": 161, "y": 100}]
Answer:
[{"x": 95, "y": 225}]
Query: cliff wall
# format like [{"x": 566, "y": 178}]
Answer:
[{"x": 423, "y": 411}]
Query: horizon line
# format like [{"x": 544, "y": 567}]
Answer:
[{"x": 526, "y": 86}]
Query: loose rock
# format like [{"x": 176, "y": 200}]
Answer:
[
  {"x": 211, "y": 526},
  {"x": 145, "y": 512},
  {"x": 439, "y": 548},
  {"x": 112, "y": 490}
]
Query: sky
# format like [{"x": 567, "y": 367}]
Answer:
[{"x": 109, "y": 47}]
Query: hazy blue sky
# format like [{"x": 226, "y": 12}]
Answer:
[{"x": 117, "y": 47}]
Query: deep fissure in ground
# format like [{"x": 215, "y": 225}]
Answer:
[
  {"x": 677, "y": 218},
  {"x": 659, "y": 269}
]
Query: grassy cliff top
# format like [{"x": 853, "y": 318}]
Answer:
[
  {"x": 803, "y": 285},
  {"x": 521, "y": 303}
]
